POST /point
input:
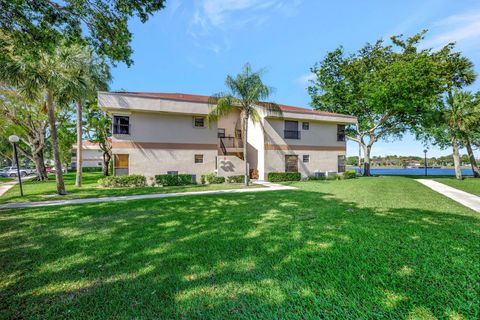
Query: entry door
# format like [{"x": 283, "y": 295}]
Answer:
[{"x": 291, "y": 163}]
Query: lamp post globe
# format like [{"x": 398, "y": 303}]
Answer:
[{"x": 13, "y": 139}]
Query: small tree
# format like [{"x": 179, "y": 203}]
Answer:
[
  {"x": 442, "y": 123},
  {"x": 98, "y": 130},
  {"x": 386, "y": 87},
  {"x": 29, "y": 116},
  {"x": 246, "y": 91}
]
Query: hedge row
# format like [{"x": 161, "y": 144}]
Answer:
[
  {"x": 92, "y": 169},
  {"x": 134, "y": 180},
  {"x": 349, "y": 174},
  {"x": 236, "y": 179},
  {"x": 283, "y": 176},
  {"x": 211, "y": 178},
  {"x": 174, "y": 179}
]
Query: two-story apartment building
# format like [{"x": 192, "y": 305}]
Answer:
[{"x": 155, "y": 133}]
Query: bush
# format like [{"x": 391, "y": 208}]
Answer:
[
  {"x": 236, "y": 179},
  {"x": 350, "y": 174},
  {"x": 283, "y": 176},
  {"x": 317, "y": 178},
  {"x": 174, "y": 179},
  {"x": 91, "y": 169},
  {"x": 134, "y": 180},
  {"x": 211, "y": 178}
]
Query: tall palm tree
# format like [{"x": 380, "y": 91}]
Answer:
[
  {"x": 465, "y": 115},
  {"x": 96, "y": 75},
  {"x": 50, "y": 73},
  {"x": 246, "y": 92}
]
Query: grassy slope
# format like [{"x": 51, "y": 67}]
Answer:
[
  {"x": 383, "y": 247},
  {"x": 470, "y": 185},
  {"x": 39, "y": 191}
]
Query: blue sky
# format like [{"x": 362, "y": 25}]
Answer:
[{"x": 192, "y": 45}]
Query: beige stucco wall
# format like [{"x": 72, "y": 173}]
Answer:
[
  {"x": 230, "y": 166},
  {"x": 169, "y": 128},
  {"x": 320, "y": 161},
  {"x": 150, "y": 162},
  {"x": 319, "y": 133},
  {"x": 230, "y": 122},
  {"x": 91, "y": 157}
]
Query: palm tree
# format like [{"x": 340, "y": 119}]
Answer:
[
  {"x": 465, "y": 115},
  {"x": 246, "y": 93},
  {"x": 50, "y": 73},
  {"x": 96, "y": 75}
]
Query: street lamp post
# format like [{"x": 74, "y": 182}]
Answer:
[
  {"x": 425, "y": 151},
  {"x": 14, "y": 139}
]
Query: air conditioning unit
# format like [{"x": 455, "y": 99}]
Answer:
[
  {"x": 331, "y": 173},
  {"x": 319, "y": 174}
]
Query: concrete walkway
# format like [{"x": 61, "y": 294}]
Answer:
[
  {"x": 4, "y": 187},
  {"x": 467, "y": 199},
  {"x": 267, "y": 187}
]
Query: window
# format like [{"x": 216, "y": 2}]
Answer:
[
  {"x": 305, "y": 125},
  {"x": 99, "y": 164},
  {"x": 121, "y": 125},
  {"x": 306, "y": 158},
  {"x": 120, "y": 162},
  {"x": 221, "y": 132},
  {"x": 291, "y": 130},
  {"x": 172, "y": 172},
  {"x": 340, "y": 132},
  {"x": 341, "y": 163},
  {"x": 199, "y": 122},
  {"x": 199, "y": 158}
]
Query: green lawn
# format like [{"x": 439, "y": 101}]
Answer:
[
  {"x": 5, "y": 179},
  {"x": 470, "y": 185},
  {"x": 40, "y": 191},
  {"x": 368, "y": 248}
]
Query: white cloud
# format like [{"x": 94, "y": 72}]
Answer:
[
  {"x": 305, "y": 80},
  {"x": 463, "y": 29},
  {"x": 218, "y": 17}
]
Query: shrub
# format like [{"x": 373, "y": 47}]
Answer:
[
  {"x": 283, "y": 176},
  {"x": 211, "y": 178},
  {"x": 134, "y": 180},
  {"x": 316, "y": 178},
  {"x": 236, "y": 179},
  {"x": 91, "y": 169},
  {"x": 174, "y": 179},
  {"x": 350, "y": 174}
]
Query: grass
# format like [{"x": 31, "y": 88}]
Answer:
[
  {"x": 383, "y": 247},
  {"x": 470, "y": 185},
  {"x": 5, "y": 179},
  {"x": 42, "y": 191}
]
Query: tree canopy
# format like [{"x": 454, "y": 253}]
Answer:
[
  {"x": 386, "y": 86},
  {"x": 101, "y": 23}
]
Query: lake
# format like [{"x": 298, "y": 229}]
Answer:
[{"x": 417, "y": 171}]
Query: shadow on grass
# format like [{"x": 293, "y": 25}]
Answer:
[{"x": 286, "y": 254}]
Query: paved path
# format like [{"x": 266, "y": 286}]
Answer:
[
  {"x": 467, "y": 199},
  {"x": 4, "y": 187},
  {"x": 267, "y": 187}
]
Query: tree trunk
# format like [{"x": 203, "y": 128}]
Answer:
[
  {"x": 40, "y": 166},
  {"x": 359, "y": 158},
  {"x": 247, "y": 174},
  {"x": 366, "y": 160},
  {"x": 53, "y": 136},
  {"x": 78, "y": 178},
  {"x": 471, "y": 157},
  {"x": 456, "y": 158},
  {"x": 106, "y": 163}
]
